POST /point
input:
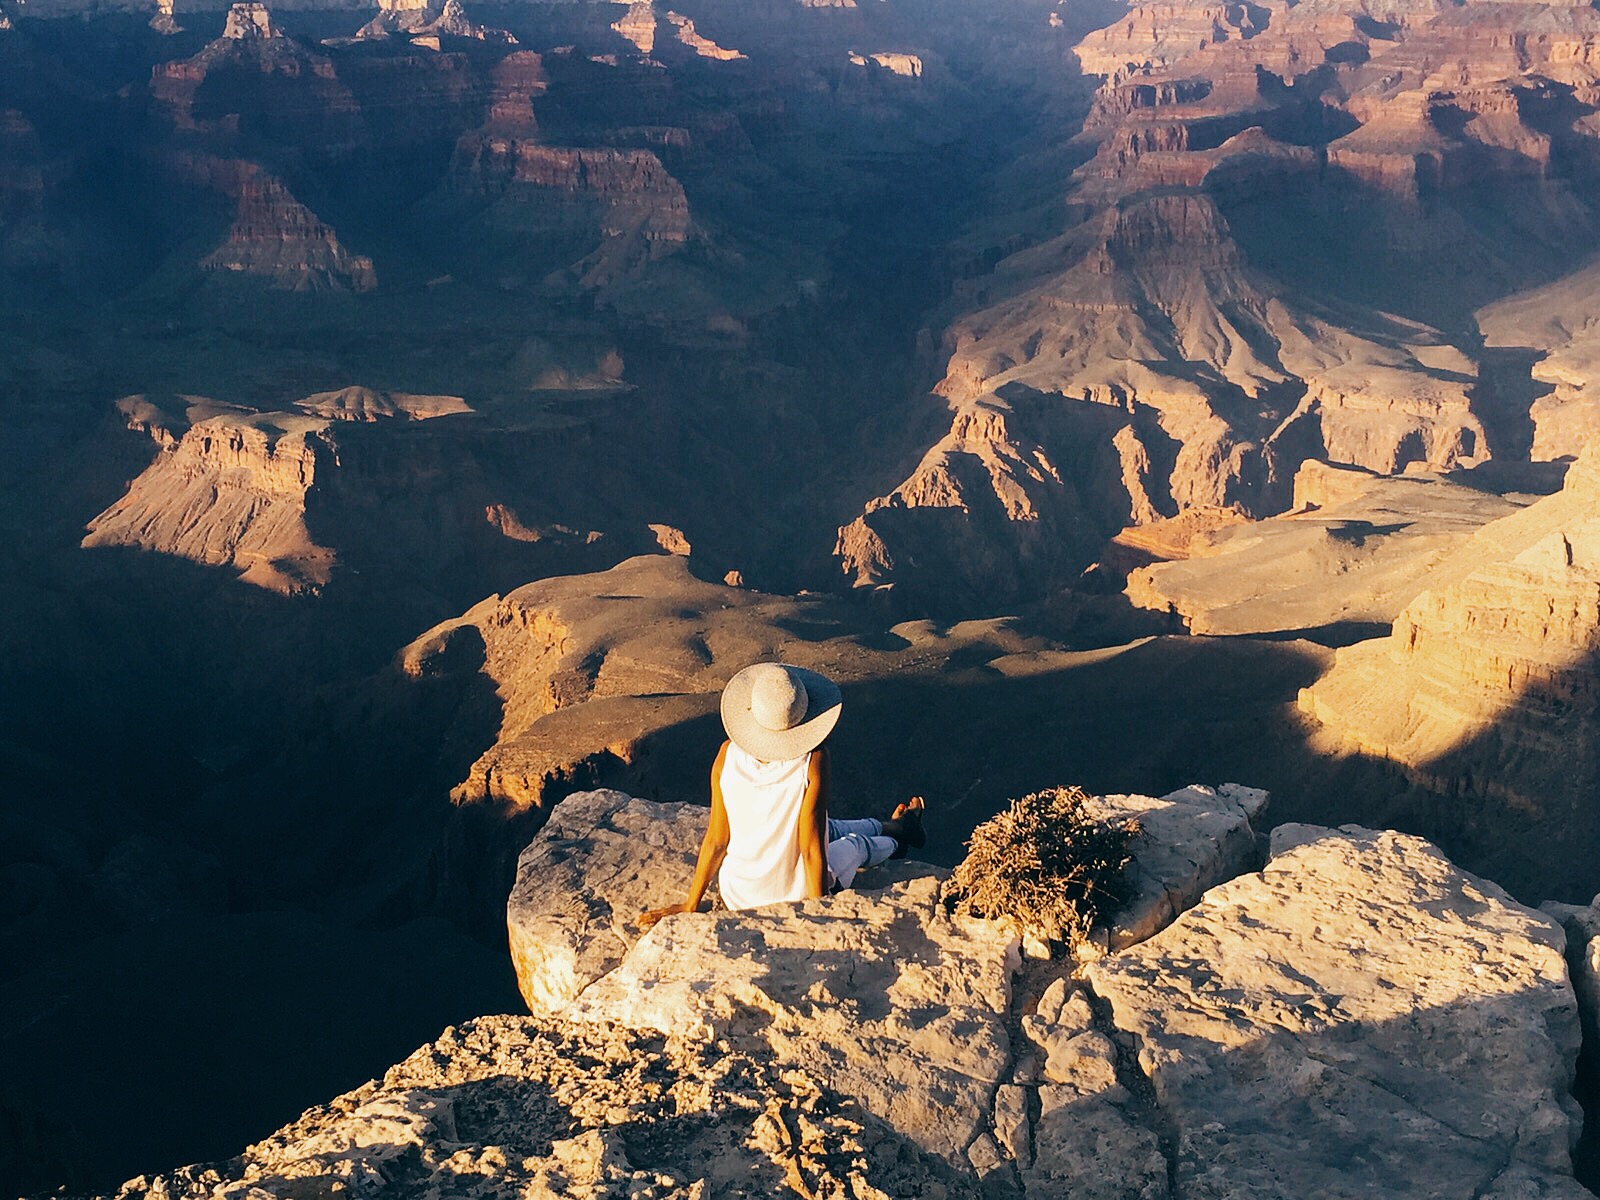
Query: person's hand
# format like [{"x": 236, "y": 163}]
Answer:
[{"x": 647, "y": 920}]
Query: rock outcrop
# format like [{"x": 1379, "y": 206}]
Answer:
[
  {"x": 230, "y": 486},
  {"x": 1149, "y": 264},
  {"x": 601, "y": 859},
  {"x": 231, "y": 491},
  {"x": 1359, "y": 1017},
  {"x": 1556, "y": 331},
  {"x": 277, "y": 239},
  {"x": 902, "y": 1008},
  {"x": 427, "y": 23},
  {"x": 592, "y": 669}
]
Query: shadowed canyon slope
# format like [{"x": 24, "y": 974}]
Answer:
[{"x": 416, "y": 411}]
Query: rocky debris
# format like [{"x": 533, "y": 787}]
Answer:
[
  {"x": 519, "y": 1106},
  {"x": 1356, "y": 549},
  {"x": 1486, "y": 685},
  {"x": 1359, "y": 1017}
]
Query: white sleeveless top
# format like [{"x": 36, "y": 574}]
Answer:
[{"x": 763, "y": 801}]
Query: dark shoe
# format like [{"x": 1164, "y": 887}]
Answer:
[{"x": 906, "y": 830}]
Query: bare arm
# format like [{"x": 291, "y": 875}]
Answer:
[
  {"x": 713, "y": 847},
  {"x": 814, "y": 825}
]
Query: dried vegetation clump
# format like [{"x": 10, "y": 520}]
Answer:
[{"x": 1047, "y": 864}]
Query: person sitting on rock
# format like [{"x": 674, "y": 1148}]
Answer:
[{"x": 769, "y": 839}]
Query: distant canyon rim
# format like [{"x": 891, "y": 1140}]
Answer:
[{"x": 414, "y": 414}]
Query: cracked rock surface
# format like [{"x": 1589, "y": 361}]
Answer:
[
  {"x": 531, "y": 1107},
  {"x": 1360, "y": 1018},
  {"x": 879, "y": 992}
]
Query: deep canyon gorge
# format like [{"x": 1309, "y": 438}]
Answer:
[{"x": 415, "y": 414}]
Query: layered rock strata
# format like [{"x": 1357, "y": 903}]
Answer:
[
  {"x": 277, "y": 239},
  {"x": 1159, "y": 263},
  {"x": 230, "y": 486},
  {"x": 1556, "y": 329},
  {"x": 1486, "y": 686},
  {"x": 230, "y": 492}
]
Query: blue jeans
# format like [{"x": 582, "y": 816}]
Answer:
[{"x": 853, "y": 845}]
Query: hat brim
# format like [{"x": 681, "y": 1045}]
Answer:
[{"x": 823, "y": 704}]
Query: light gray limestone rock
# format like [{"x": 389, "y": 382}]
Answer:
[
  {"x": 1194, "y": 839},
  {"x": 601, "y": 859},
  {"x": 879, "y": 992},
  {"x": 1361, "y": 1018},
  {"x": 533, "y": 1107}
]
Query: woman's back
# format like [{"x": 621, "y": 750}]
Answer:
[{"x": 763, "y": 799}]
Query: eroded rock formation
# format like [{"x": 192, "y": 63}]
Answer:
[
  {"x": 591, "y": 669},
  {"x": 1486, "y": 686},
  {"x": 231, "y": 491},
  {"x": 1555, "y": 333},
  {"x": 1333, "y": 1026},
  {"x": 1165, "y": 283}
]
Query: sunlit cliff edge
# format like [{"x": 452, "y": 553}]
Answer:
[{"x": 1341, "y": 1012}]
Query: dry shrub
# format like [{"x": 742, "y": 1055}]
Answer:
[{"x": 1046, "y": 864}]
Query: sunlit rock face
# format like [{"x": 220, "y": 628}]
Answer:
[
  {"x": 1354, "y": 551},
  {"x": 1487, "y": 685},
  {"x": 1245, "y": 1015},
  {"x": 1556, "y": 329}
]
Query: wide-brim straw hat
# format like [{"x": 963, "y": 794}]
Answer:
[{"x": 776, "y": 711}]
